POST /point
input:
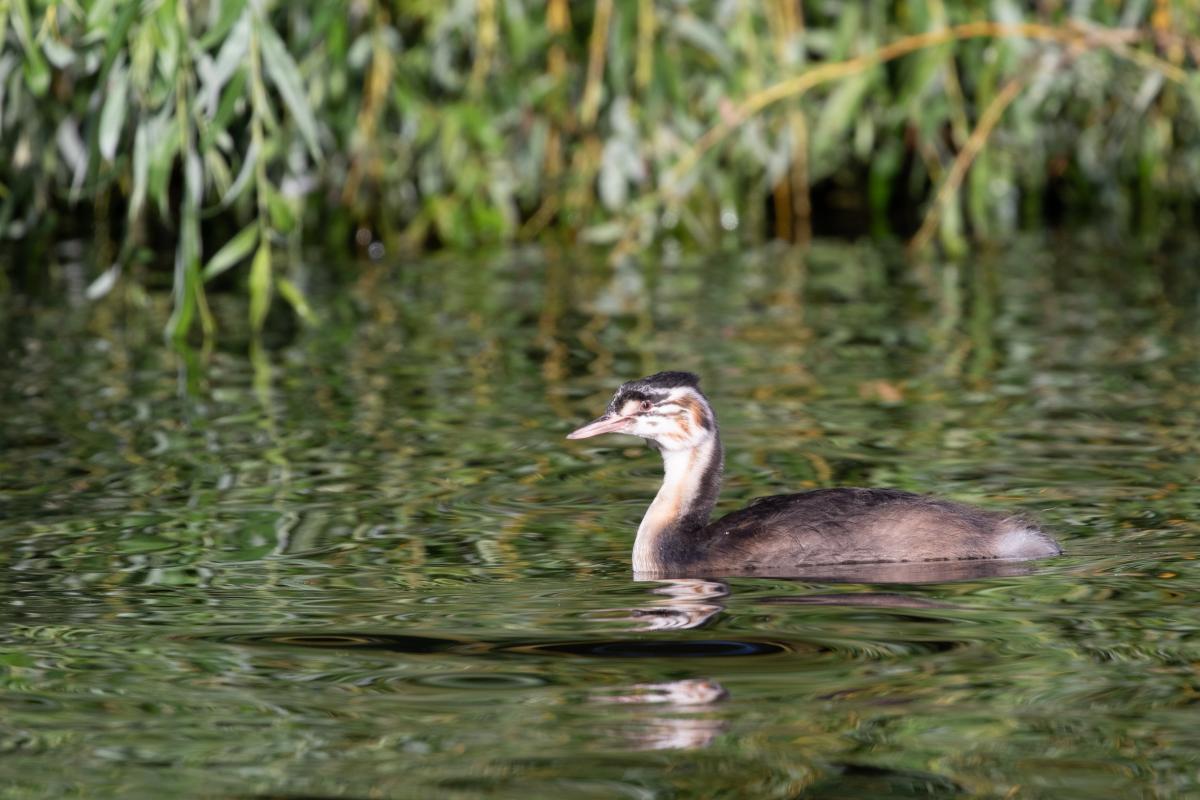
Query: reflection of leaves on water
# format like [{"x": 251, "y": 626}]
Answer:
[
  {"x": 872, "y": 599},
  {"x": 418, "y": 499}
]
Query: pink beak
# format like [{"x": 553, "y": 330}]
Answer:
[{"x": 609, "y": 423}]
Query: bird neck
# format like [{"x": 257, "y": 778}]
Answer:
[{"x": 691, "y": 483}]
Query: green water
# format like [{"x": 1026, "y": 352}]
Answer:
[{"x": 363, "y": 561}]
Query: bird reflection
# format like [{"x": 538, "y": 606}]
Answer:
[
  {"x": 688, "y": 603},
  {"x": 911, "y": 572},
  {"x": 679, "y": 604},
  {"x": 682, "y": 604},
  {"x": 684, "y": 729},
  {"x": 690, "y": 692}
]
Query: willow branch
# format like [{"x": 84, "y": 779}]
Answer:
[
  {"x": 1087, "y": 38},
  {"x": 590, "y": 105},
  {"x": 962, "y": 162},
  {"x": 1082, "y": 37}
]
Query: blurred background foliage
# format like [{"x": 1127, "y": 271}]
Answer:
[{"x": 234, "y": 133}]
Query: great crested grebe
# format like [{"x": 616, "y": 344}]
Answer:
[{"x": 777, "y": 533}]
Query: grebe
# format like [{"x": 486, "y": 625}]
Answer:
[{"x": 783, "y": 532}]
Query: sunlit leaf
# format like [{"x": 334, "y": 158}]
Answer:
[
  {"x": 216, "y": 171},
  {"x": 606, "y": 233},
  {"x": 71, "y": 146},
  {"x": 231, "y": 13},
  {"x": 234, "y": 251},
  {"x": 37, "y": 71},
  {"x": 112, "y": 116},
  {"x": 99, "y": 12},
  {"x": 58, "y": 54},
  {"x": 837, "y": 117},
  {"x": 295, "y": 298},
  {"x": 285, "y": 74},
  {"x": 702, "y": 35},
  {"x": 116, "y": 43},
  {"x": 184, "y": 310},
  {"x": 260, "y": 285},
  {"x": 229, "y": 60},
  {"x": 193, "y": 178},
  {"x": 282, "y": 218},
  {"x": 164, "y": 142},
  {"x": 219, "y": 122},
  {"x": 612, "y": 184},
  {"x": 244, "y": 177},
  {"x": 103, "y": 283}
]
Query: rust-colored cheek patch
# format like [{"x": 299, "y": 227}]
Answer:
[{"x": 692, "y": 417}]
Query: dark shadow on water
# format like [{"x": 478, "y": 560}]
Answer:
[
  {"x": 677, "y": 604},
  {"x": 599, "y": 648},
  {"x": 703, "y": 648},
  {"x": 863, "y": 780}
]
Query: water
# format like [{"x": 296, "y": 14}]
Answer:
[{"x": 363, "y": 562}]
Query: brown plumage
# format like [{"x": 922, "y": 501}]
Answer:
[{"x": 782, "y": 533}]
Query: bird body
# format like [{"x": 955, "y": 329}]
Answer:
[{"x": 782, "y": 532}]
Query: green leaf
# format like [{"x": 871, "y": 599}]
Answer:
[
  {"x": 59, "y": 54},
  {"x": 112, "y": 115},
  {"x": 291, "y": 293},
  {"x": 228, "y": 62},
  {"x": 604, "y": 233},
  {"x": 116, "y": 38},
  {"x": 917, "y": 74},
  {"x": 103, "y": 283},
  {"x": 193, "y": 178},
  {"x": 285, "y": 74},
  {"x": 282, "y": 218},
  {"x": 99, "y": 12},
  {"x": 232, "y": 253},
  {"x": 5, "y": 10},
  {"x": 703, "y": 36},
  {"x": 163, "y": 138},
  {"x": 230, "y": 15},
  {"x": 234, "y": 92},
  {"x": 260, "y": 285},
  {"x": 1192, "y": 89},
  {"x": 849, "y": 26},
  {"x": 141, "y": 169},
  {"x": 244, "y": 177},
  {"x": 185, "y": 294},
  {"x": 37, "y": 72},
  {"x": 838, "y": 114}
]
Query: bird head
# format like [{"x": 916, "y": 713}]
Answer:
[{"x": 666, "y": 408}]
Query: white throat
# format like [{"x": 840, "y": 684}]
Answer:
[{"x": 683, "y": 497}]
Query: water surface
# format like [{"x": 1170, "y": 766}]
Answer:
[{"x": 360, "y": 560}]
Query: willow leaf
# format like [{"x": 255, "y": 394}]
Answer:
[
  {"x": 285, "y": 74},
  {"x": 141, "y": 169},
  {"x": 229, "y": 60},
  {"x": 295, "y": 298},
  {"x": 840, "y": 112},
  {"x": 234, "y": 251},
  {"x": 112, "y": 115},
  {"x": 260, "y": 285},
  {"x": 244, "y": 177}
]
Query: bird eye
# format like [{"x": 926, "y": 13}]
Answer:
[{"x": 647, "y": 405}]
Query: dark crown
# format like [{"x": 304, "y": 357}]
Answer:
[
  {"x": 652, "y": 387},
  {"x": 666, "y": 380}
]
